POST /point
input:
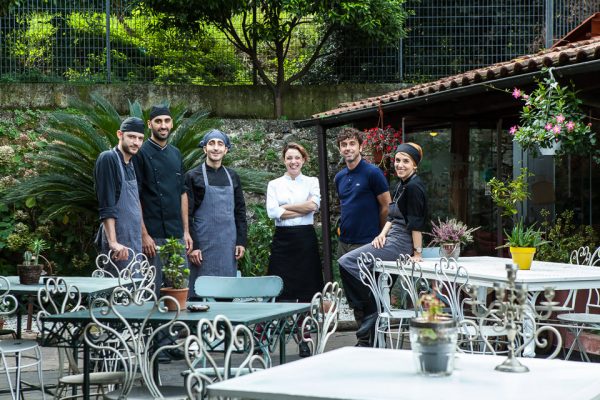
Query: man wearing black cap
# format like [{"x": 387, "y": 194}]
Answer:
[
  {"x": 218, "y": 210},
  {"x": 160, "y": 177},
  {"x": 117, "y": 192}
]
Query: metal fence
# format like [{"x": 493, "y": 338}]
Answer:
[{"x": 110, "y": 41}]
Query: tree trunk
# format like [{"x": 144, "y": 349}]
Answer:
[{"x": 278, "y": 102}]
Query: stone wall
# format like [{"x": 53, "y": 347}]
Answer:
[{"x": 224, "y": 101}]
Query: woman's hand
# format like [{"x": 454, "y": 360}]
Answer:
[
  {"x": 417, "y": 257},
  {"x": 379, "y": 241}
]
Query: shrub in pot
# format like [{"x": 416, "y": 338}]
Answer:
[
  {"x": 433, "y": 338},
  {"x": 30, "y": 271},
  {"x": 175, "y": 273}
]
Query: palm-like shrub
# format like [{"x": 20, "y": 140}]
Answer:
[{"x": 65, "y": 184}]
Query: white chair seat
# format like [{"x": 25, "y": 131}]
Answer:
[
  {"x": 142, "y": 393},
  {"x": 398, "y": 314},
  {"x": 96, "y": 378},
  {"x": 580, "y": 318},
  {"x": 17, "y": 345}
]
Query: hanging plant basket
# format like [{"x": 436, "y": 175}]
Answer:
[{"x": 552, "y": 150}]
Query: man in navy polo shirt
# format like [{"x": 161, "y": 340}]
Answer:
[{"x": 364, "y": 200}]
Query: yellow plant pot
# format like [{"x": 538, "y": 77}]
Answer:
[{"x": 522, "y": 256}]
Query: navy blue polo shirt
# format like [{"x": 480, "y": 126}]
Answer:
[{"x": 358, "y": 190}]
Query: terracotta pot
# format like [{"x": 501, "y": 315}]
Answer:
[
  {"x": 180, "y": 296},
  {"x": 29, "y": 274}
]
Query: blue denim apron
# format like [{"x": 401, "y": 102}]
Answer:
[
  {"x": 214, "y": 225},
  {"x": 128, "y": 221}
]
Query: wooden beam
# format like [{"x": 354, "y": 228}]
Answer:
[
  {"x": 459, "y": 170},
  {"x": 324, "y": 186}
]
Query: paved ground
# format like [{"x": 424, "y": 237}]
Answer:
[{"x": 169, "y": 372}]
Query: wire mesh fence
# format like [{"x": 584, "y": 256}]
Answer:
[{"x": 98, "y": 41}]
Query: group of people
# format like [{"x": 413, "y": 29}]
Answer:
[{"x": 146, "y": 197}]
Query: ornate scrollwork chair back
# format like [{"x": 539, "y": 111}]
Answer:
[
  {"x": 27, "y": 352},
  {"x": 453, "y": 288},
  {"x": 136, "y": 275},
  {"x": 412, "y": 281},
  {"x": 129, "y": 336},
  {"x": 323, "y": 317},
  {"x": 238, "y": 340}
]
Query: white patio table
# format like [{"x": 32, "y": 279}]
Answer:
[
  {"x": 357, "y": 373},
  {"x": 485, "y": 271}
]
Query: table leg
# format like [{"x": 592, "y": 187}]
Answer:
[
  {"x": 86, "y": 371},
  {"x": 282, "y": 348}
]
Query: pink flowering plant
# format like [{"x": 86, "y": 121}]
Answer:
[
  {"x": 552, "y": 114},
  {"x": 451, "y": 231},
  {"x": 383, "y": 141}
]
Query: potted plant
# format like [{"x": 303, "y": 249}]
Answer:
[
  {"x": 175, "y": 273},
  {"x": 382, "y": 143},
  {"x": 450, "y": 235},
  {"x": 552, "y": 121},
  {"x": 522, "y": 242},
  {"x": 433, "y": 338},
  {"x": 30, "y": 271}
]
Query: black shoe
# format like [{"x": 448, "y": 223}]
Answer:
[
  {"x": 303, "y": 350},
  {"x": 363, "y": 343},
  {"x": 175, "y": 354}
]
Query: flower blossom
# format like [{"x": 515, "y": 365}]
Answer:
[
  {"x": 560, "y": 119},
  {"x": 570, "y": 126},
  {"x": 513, "y": 129},
  {"x": 548, "y": 126},
  {"x": 556, "y": 129},
  {"x": 516, "y": 93}
]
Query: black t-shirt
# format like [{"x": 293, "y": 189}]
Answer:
[
  {"x": 107, "y": 178},
  {"x": 411, "y": 198}
]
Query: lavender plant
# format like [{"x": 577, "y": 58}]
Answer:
[{"x": 451, "y": 231}]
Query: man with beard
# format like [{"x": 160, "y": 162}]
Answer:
[
  {"x": 160, "y": 176},
  {"x": 364, "y": 200},
  {"x": 218, "y": 210},
  {"x": 117, "y": 193}
]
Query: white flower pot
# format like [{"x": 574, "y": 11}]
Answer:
[{"x": 550, "y": 151}]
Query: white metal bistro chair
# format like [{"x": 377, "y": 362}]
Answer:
[
  {"x": 577, "y": 323},
  {"x": 322, "y": 320},
  {"x": 58, "y": 297},
  {"x": 132, "y": 341},
  {"x": 389, "y": 322},
  {"x": 243, "y": 289},
  {"x": 452, "y": 283},
  {"x": 24, "y": 353},
  {"x": 238, "y": 340}
]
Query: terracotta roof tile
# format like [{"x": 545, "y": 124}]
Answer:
[{"x": 571, "y": 53}]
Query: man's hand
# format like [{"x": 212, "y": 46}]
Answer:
[
  {"x": 148, "y": 245},
  {"x": 379, "y": 241},
  {"x": 195, "y": 257},
  {"x": 239, "y": 252},
  {"x": 119, "y": 252},
  {"x": 189, "y": 243}
]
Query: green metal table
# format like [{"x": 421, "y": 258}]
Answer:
[{"x": 280, "y": 319}]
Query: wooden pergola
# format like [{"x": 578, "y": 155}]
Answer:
[{"x": 474, "y": 98}]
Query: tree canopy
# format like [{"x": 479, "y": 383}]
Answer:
[{"x": 264, "y": 29}]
